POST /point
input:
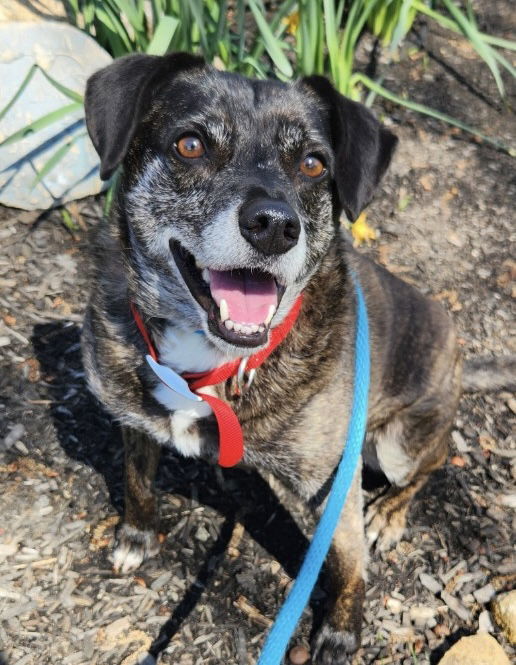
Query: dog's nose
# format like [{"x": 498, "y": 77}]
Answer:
[{"x": 270, "y": 226}]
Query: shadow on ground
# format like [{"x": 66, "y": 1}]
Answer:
[{"x": 87, "y": 434}]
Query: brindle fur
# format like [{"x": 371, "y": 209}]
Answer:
[{"x": 295, "y": 416}]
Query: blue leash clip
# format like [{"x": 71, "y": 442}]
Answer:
[{"x": 290, "y": 613}]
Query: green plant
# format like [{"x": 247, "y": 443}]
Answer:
[{"x": 302, "y": 37}]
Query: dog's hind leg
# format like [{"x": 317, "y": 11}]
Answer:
[
  {"x": 386, "y": 516},
  {"x": 137, "y": 538},
  {"x": 339, "y": 635}
]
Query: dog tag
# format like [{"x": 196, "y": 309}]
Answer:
[{"x": 172, "y": 380}]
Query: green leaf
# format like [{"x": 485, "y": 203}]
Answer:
[
  {"x": 17, "y": 94},
  {"x": 108, "y": 202},
  {"x": 113, "y": 23},
  {"x": 135, "y": 16},
  {"x": 272, "y": 43},
  {"x": 41, "y": 123},
  {"x": 198, "y": 14},
  {"x": 68, "y": 220},
  {"x": 498, "y": 41},
  {"x": 163, "y": 35},
  {"x": 256, "y": 66},
  {"x": 426, "y": 110},
  {"x": 71, "y": 94},
  {"x": 483, "y": 49}
]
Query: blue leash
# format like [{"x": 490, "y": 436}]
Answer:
[{"x": 290, "y": 613}]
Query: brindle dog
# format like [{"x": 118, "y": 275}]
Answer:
[{"x": 227, "y": 209}]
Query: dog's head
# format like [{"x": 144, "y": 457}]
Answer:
[{"x": 231, "y": 187}]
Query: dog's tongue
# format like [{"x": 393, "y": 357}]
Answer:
[{"x": 249, "y": 295}]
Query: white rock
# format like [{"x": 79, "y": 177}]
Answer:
[
  {"x": 504, "y": 612},
  {"x": 484, "y": 594},
  {"x": 485, "y": 625},
  {"x": 68, "y": 56},
  {"x": 480, "y": 649},
  {"x": 13, "y": 435},
  {"x": 456, "y": 606},
  {"x": 422, "y": 615},
  {"x": 393, "y": 605},
  {"x": 430, "y": 583}
]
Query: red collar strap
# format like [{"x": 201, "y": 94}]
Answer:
[{"x": 231, "y": 439}]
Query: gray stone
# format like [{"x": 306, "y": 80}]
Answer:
[
  {"x": 430, "y": 583},
  {"x": 68, "y": 56},
  {"x": 484, "y": 594}
]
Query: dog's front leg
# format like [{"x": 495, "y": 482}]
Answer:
[
  {"x": 137, "y": 537},
  {"x": 339, "y": 635}
]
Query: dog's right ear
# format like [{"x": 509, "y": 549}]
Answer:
[
  {"x": 363, "y": 147},
  {"x": 118, "y": 95}
]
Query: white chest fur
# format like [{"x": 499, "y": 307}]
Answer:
[{"x": 185, "y": 351}]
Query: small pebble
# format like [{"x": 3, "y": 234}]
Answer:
[
  {"x": 299, "y": 655},
  {"x": 394, "y": 605},
  {"x": 485, "y": 625},
  {"x": 430, "y": 583},
  {"x": 15, "y": 434},
  {"x": 484, "y": 594}
]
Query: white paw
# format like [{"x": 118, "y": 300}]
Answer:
[{"x": 133, "y": 547}]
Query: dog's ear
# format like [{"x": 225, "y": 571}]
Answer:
[
  {"x": 117, "y": 97},
  {"x": 363, "y": 147}
]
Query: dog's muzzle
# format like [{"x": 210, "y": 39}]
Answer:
[{"x": 270, "y": 226}]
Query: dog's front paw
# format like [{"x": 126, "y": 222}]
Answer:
[
  {"x": 334, "y": 647},
  {"x": 132, "y": 548}
]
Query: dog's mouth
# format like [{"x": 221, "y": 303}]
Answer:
[{"x": 240, "y": 303}]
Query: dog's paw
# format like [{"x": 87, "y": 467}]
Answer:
[
  {"x": 384, "y": 529},
  {"x": 132, "y": 548},
  {"x": 334, "y": 647}
]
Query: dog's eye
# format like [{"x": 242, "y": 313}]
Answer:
[
  {"x": 190, "y": 147},
  {"x": 311, "y": 166}
]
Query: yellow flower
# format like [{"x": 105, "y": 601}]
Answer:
[
  {"x": 362, "y": 232},
  {"x": 292, "y": 23}
]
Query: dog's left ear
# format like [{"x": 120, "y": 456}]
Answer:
[
  {"x": 118, "y": 96},
  {"x": 363, "y": 147}
]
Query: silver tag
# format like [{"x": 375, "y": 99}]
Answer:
[{"x": 172, "y": 380}]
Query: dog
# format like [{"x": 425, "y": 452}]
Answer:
[{"x": 226, "y": 219}]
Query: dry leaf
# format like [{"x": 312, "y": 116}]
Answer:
[
  {"x": 427, "y": 182},
  {"x": 451, "y": 296},
  {"x": 98, "y": 539}
]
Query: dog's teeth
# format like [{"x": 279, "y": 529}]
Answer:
[
  {"x": 224, "y": 310},
  {"x": 229, "y": 324},
  {"x": 272, "y": 310},
  {"x": 261, "y": 328},
  {"x": 254, "y": 328},
  {"x": 237, "y": 327},
  {"x": 206, "y": 275},
  {"x": 246, "y": 330}
]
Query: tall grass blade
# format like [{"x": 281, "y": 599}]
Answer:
[
  {"x": 20, "y": 90},
  {"x": 160, "y": 43},
  {"x": 41, "y": 123},
  {"x": 67, "y": 92},
  {"x": 272, "y": 43},
  {"x": 433, "y": 113},
  {"x": 483, "y": 49}
]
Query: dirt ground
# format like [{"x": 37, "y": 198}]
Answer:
[{"x": 232, "y": 542}]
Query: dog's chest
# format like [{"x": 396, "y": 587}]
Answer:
[{"x": 185, "y": 350}]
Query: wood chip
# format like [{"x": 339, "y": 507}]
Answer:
[{"x": 252, "y": 612}]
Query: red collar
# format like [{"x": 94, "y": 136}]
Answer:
[{"x": 231, "y": 446}]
